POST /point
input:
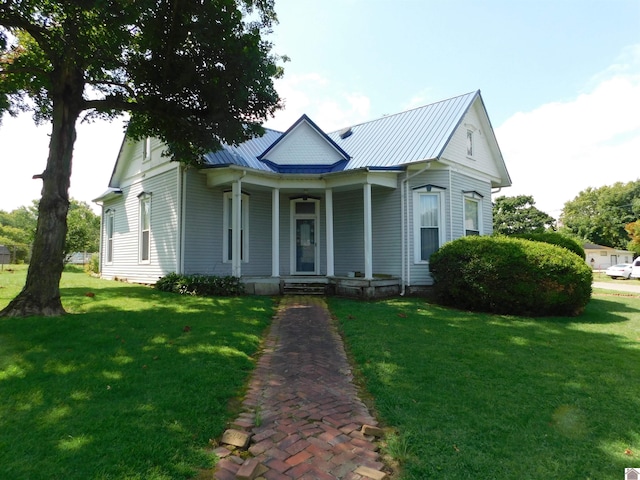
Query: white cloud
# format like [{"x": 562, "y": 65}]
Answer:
[
  {"x": 561, "y": 148},
  {"x": 325, "y": 103}
]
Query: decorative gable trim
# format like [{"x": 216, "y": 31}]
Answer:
[{"x": 267, "y": 157}]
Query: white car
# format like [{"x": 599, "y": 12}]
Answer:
[
  {"x": 635, "y": 268},
  {"x": 622, "y": 270}
]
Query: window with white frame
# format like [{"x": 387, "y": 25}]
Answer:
[
  {"x": 145, "y": 227},
  {"x": 146, "y": 149},
  {"x": 469, "y": 143},
  {"x": 109, "y": 229},
  {"x": 427, "y": 213},
  {"x": 227, "y": 240},
  {"x": 472, "y": 213}
]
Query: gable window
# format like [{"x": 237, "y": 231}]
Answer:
[
  {"x": 145, "y": 227},
  {"x": 109, "y": 229},
  {"x": 472, "y": 211},
  {"x": 469, "y": 143},
  {"x": 428, "y": 224},
  {"x": 228, "y": 230},
  {"x": 146, "y": 149}
]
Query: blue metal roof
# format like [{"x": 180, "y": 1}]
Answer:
[
  {"x": 246, "y": 154},
  {"x": 391, "y": 141},
  {"x": 403, "y": 138}
]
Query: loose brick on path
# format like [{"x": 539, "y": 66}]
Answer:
[{"x": 302, "y": 409}]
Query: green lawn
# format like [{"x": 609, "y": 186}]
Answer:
[
  {"x": 497, "y": 397},
  {"x": 131, "y": 384}
]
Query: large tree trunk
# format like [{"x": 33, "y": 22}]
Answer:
[{"x": 41, "y": 293}]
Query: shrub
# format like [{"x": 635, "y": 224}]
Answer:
[
  {"x": 94, "y": 264},
  {"x": 200, "y": 285},
  {"x": 555, "y": 239},
  {"x": 510, "y": 276}
]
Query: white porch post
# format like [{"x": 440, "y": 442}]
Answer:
[
  {"x": 328, "y": 197},
  {"x": 236, "y": 225},
  {"x": 368, "y": 234},
  {"x": 275, "y": 232}
]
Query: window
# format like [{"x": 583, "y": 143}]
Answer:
[
  {"x": 472, "y": 213},
  {"x": 145, "y": 226},
  {"x": 146, "y": 149},
  {"x": 244, "y": 227},
  {"x": 470, "y": 143},
  {"x": 109, "y": 229},
  {"x": 427, "y": 216},
  {"x": 471, "y": 217}
]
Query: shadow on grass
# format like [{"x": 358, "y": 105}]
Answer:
[
  {"x": 482, "y": 396},
  {"x": 133, "y": 388}
]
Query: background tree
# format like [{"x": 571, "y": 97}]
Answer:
[
  {"x": 633, "y": 229},
  {"x": 83, "y": 229},
  {"x": 193, "y": 73},
  {"x": 518, "y": 215},
  {"x": 599, "y": 215},
  {"x": 17, "y": 229}
]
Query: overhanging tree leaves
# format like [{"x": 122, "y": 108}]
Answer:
[
  {"x": 193, "y": 73},
  {"x": 517, "y": 215}
]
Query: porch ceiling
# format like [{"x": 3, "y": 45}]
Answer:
[{"x": 295, "y": 182}]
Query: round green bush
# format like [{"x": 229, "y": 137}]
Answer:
[
  {"x": 509, "y": 275},
  {"x": 555, "y": 239}
]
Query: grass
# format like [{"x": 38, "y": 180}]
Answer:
[
  {"x": 602, "y": 277},
  {"x": 132, "y": 384},
  {"x": 495, "y": 397}
]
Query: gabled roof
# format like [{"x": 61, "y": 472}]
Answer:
[
  {"x": 392, "y": 141},
  {"x": 411, "y": 136},
  {"x": 304, "y": 119}
]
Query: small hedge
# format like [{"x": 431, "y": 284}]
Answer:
[
  {"x": 200, "y": 285},
  {"x": 508, "y": 275},
  {"x": 555, "y": 239}
]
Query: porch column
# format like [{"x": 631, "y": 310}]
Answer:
[
  {"x": 275, "y": 232},
  {"x": 236, "y": 225},
  {"x": 328, "y": 197},
  {"x": 368, "y": 234}
]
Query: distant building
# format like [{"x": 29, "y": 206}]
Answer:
[
  {"x": 5, "y": 255},
  {"x": 600, "y": 257}
]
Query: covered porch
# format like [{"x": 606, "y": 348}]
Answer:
[{"x": 303, "y": 227}]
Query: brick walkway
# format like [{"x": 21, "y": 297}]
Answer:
[{"x": 302, "y": 411}]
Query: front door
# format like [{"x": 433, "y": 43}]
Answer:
[{"x": 305, "y": 237}]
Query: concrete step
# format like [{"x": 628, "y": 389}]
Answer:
[{"x": 304, "y": 288}]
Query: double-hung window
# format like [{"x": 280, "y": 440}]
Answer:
[
  {"x": 145, "y": 227},
  {"x": 227, "y": 240},
  {"x": 472, "y": 213},
  {"x": 109, "y": 230},
  {"x": 428, "y": 224}
]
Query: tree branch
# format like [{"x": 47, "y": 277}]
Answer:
[
  {"x": 124, "y": 86},
  {"x": 9, "y": 19}
]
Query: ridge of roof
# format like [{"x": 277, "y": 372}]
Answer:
[{"x": 403, "y": 112}]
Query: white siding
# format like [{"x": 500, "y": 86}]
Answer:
[
  {"x": 303, "y": 146},
  {"x": 482, "y": 159},
  {"x": 126, "y": 240},
  {"x": 203, "y": 228},
  {"x": 348, "y": 231},
  {"x": 387, "y": 231}
]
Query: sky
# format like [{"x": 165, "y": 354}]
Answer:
[{"x": 560, "y": 80}]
